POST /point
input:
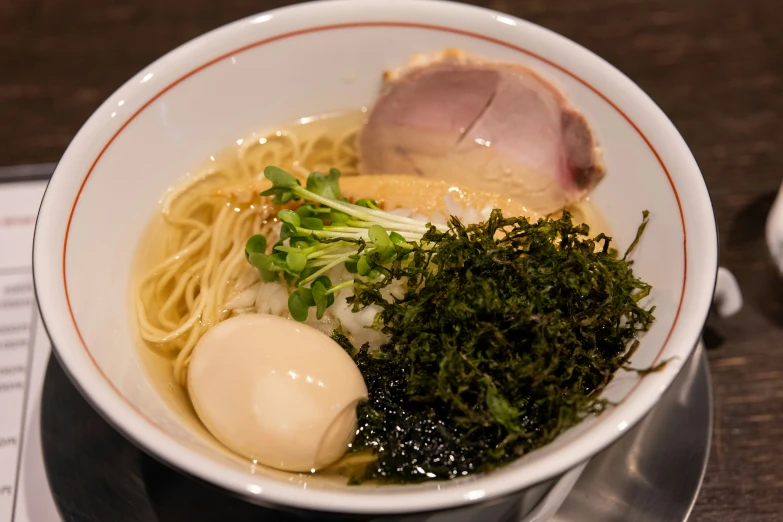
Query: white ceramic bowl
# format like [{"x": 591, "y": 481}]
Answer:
[{"x": 323, "y": 57}]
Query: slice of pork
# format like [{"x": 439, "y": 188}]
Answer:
[{"x": 493, "y": 125}]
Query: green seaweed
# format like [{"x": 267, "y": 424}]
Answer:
[{"x": 505, "y": 337}]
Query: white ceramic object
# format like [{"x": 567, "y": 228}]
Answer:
[
  {"x": 728, "y": 295},
  {"x": 774, "y": 230},
  {"x": 322, "y": 57}
]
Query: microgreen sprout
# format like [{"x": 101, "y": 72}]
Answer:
[{"x": 326, "y": 231}]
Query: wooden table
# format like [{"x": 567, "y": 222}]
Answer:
[{"x": 714, "y": 66}]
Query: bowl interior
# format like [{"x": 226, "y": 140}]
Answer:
[{"x": 272, "y": 69}]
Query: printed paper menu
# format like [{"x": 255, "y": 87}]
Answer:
[{"x": 24, "y": 353}]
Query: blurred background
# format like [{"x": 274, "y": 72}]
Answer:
[{"x": 714, "y": 66}]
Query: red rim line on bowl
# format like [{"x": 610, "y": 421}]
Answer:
[{"x": 353, "y": 25}]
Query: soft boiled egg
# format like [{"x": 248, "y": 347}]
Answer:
[{"x": 278, "y": 392}]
